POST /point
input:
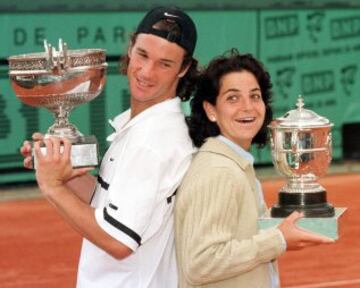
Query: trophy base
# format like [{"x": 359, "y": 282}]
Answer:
[
  {"x": 329, "y": 227},
  {"x": 84, "y": 152},
  {"x": 311, "y": 204}
]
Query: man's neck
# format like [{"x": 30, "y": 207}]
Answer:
[{"x": 138, "y": 107}]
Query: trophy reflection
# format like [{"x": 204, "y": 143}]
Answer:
[{"x": 59, "y": 81}]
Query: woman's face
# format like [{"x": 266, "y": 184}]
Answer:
[{"x": 240, "y": 110}]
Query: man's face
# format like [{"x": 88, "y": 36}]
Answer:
[{"x": 154, "y": 70}]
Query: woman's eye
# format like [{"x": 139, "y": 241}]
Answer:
[
  {"x": 232, "y": 98},
  {"x": 256, "y": 97}
]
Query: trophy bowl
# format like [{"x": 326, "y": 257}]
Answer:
[
  {"x": 59, "y": 81},
  {"x": 301, "y": 149}
]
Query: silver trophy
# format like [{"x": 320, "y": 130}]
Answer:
[
  {"x": 59, "y": 81},
  {"x": 301, "y": 151}
]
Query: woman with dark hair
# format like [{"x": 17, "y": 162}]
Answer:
[
  {"x": 218, "y": 242},
  {"x": 201, "y": 127}
]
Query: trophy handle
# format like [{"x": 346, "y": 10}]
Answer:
[{"x": 329, "y": 146}]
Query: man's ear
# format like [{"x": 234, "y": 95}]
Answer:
[
  {"x": 210, "y": 111},
  {"x": 184, "y": 70}
]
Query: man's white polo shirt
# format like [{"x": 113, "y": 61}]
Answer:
[{"x": 139, "y": 175}]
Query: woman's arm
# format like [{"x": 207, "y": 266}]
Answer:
[{"x": 211, "y": 250}]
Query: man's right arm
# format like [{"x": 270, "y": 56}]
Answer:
[
  {"x": 83, "y": 186},
  {"x": 54, "y": 186}
]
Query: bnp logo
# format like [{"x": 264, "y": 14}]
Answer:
[
  {"x": 281, "y": 26},
  {"x": 346, "y": 27},
  {"x": 318, "y": 82}
]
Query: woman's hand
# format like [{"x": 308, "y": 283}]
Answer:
[{"x": 298, "y": 238}]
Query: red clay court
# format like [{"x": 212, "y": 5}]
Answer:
[{"x": 38, "y": 249}]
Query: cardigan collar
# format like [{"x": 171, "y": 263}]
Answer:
[
  {"x": 237, "y": 148},
  {"x": 214, "y": 145}
]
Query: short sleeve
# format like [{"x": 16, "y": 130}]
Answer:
[{"x": 133, "y": 196}]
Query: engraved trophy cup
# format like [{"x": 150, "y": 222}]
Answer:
[
  {"x": 301, "y": 149},
  {"x": 59, "y": 81}
]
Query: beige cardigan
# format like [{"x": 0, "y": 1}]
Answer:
[{"x": 217, "y": 239}]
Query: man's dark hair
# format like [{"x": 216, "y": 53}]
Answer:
[{"x": 173, "y": 29}]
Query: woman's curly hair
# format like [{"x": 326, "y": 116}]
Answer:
[{"x": 208, "y": 87}]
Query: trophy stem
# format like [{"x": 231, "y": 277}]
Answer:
[
  {"x": 62, "y": 127},
  {"x": 305, "y": 195},
  {"x": 302, "y": 184}
]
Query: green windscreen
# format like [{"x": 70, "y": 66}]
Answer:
[{"x": 312, "y": 52}]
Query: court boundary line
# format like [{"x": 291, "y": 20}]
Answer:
[{"x": 327, "y": 284}]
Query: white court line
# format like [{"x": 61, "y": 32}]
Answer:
[{"x": 327, "y": 284}]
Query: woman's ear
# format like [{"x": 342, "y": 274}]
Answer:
[
  {"x": 210, "y": 111},
  {"x": 129, "y": 50}
]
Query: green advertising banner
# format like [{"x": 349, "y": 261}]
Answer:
[
  {"x": 25, "y": 33},
  {"x": 312, "y": 52},
  {"x": 315, "y": 54},
  {"x": 44, "y": 6}
]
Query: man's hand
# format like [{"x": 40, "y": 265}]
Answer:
[
  {"x": 26, "y": 150},
  {"x": 297, "y": 238},
  {"x": 54, "y": 167}
]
